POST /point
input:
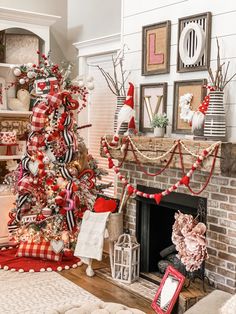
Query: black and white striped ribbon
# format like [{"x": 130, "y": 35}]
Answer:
[
  {"x": 25, "y": 162},
  {"x": 69, "y": 142},
  {"x": 20, "y": 202},
  {"x": 65, "y": 173},
  {"x": 70, "y": 219}
]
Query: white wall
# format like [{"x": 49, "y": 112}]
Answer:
[
  {"x": 92, "y": 19},
  {"x": 58, "y": 34},
  {"x": 137, "y": 13}
]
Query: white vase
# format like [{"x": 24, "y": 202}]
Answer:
[
  {"x": 215, "y": 124},
  {"x": 119, "y": 105},
  {"x": 159, "y": 132}
]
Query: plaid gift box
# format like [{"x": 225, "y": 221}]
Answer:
[
  {"x": 39, "y": 116},
  {"x": 41, "y": 250}
]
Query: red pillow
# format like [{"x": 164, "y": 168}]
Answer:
[
  {"x": 102, "y": 205},
  {"x": 41, "y": 250}
]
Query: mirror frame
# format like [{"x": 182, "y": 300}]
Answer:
[{"x": 174, "y": 273}]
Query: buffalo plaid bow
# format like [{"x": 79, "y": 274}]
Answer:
[{"x": 39, "y": 116}]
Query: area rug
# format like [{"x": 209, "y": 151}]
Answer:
[
  {"x": 9, "y": 261},
  {"x": 39, "y": 293}
]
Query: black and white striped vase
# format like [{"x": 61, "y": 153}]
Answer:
[
  {"x": 214, "y": 125},
  {"x": 119, "y": 105}
]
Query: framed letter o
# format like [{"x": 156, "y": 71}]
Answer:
[{"x": 183, "y": 41}]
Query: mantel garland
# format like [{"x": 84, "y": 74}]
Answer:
[{"x": 185, "y": 180}]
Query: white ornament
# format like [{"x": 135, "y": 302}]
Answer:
[
  {"x": 81, "y": 84},
  {"x": 200, "y": 38},
  {"x": 57, "y": 246},
  {"x": 90, "y": 86},
  {"x": 89, "y": 78},
  {"x": 46, "y": 160},
  {"x": 29, "y": 65},
  {"x": 30, "y": 74},
  {"x": 17, "y": 72},
  {"x": 22, "y": 81},
  {"x": 33, "y": 167}
]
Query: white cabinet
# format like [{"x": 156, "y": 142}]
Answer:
[{"x": 6, "y": 203}]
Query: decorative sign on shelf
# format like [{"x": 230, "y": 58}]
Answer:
[
  {"x": 156, "y": 48},
  {"x": 153, "y": 100},
  {"x": 194, "y": 46}
]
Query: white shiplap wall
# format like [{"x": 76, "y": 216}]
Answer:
[{"x": 137, "y": 13}]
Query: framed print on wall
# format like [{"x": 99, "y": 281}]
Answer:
[
  {"x": 156, "y": 48},
  {"x": 153, "y": 100},
  {"x": 194, "y": 43},
  {"x": 188, "y": 95}
]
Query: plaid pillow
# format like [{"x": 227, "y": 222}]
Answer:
[{"x": 41, "y": 250}]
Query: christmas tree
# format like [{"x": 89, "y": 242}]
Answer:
[{"x": 57, "y": 179}]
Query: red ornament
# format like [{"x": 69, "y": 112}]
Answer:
[
  {"x": 158, "y": 198},
  {"x": 185, "y": 180},
  {"x": 130, "y": 190},
  {"x": 55, "y": 188}
]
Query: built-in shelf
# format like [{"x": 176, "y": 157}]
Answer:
[
  {"x": 8, "y": 65},
  {"x": 2, "y": 157},
  {"x": 13, "y": 113}
]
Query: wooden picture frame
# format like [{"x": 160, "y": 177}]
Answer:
[
  {"x": 194, "y": 87},
  {"x": 151, "y": 103},
  {"x": 156, "y": 48},
  {"x": 3, "y": 94},
  {"x": 194, "y": 43},
  {"x": 168, "y": 291},
  {"x": 21, "y": 48}
]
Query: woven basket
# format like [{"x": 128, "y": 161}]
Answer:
[{"x": 115, "y": 226}]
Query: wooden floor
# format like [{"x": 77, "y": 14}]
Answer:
[{"x": 104, "y": 290}]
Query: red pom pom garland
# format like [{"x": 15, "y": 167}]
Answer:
[{"x": 185, "y": 180}]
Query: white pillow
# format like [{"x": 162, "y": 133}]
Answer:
[{"x": 230, "y": 306}]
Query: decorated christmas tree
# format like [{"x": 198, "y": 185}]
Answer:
[{"x": 57, "y": 180}]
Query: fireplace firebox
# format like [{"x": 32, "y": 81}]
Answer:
[{"x": 154, "y": 223}]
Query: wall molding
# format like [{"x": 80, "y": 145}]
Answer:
[
  {"x": 97, "y": 46},
  {"x": 27, "y": 17}
]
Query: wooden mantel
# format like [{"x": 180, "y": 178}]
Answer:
[{"x": 153, "y": 147}]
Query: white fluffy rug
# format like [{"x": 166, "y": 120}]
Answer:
[{"x": 39, "y": 293}]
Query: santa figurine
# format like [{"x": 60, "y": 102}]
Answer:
[{"x": 126, "y": 113}]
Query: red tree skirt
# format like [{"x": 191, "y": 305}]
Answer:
[{"x": 9, "y": 261}]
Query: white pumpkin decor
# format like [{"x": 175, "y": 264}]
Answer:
[{"x": 21, "y": 102}]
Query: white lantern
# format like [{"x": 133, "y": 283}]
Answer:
[{"x": 126, "y": 259}]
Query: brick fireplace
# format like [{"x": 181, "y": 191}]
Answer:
[{"x": 220, "y": 197}]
